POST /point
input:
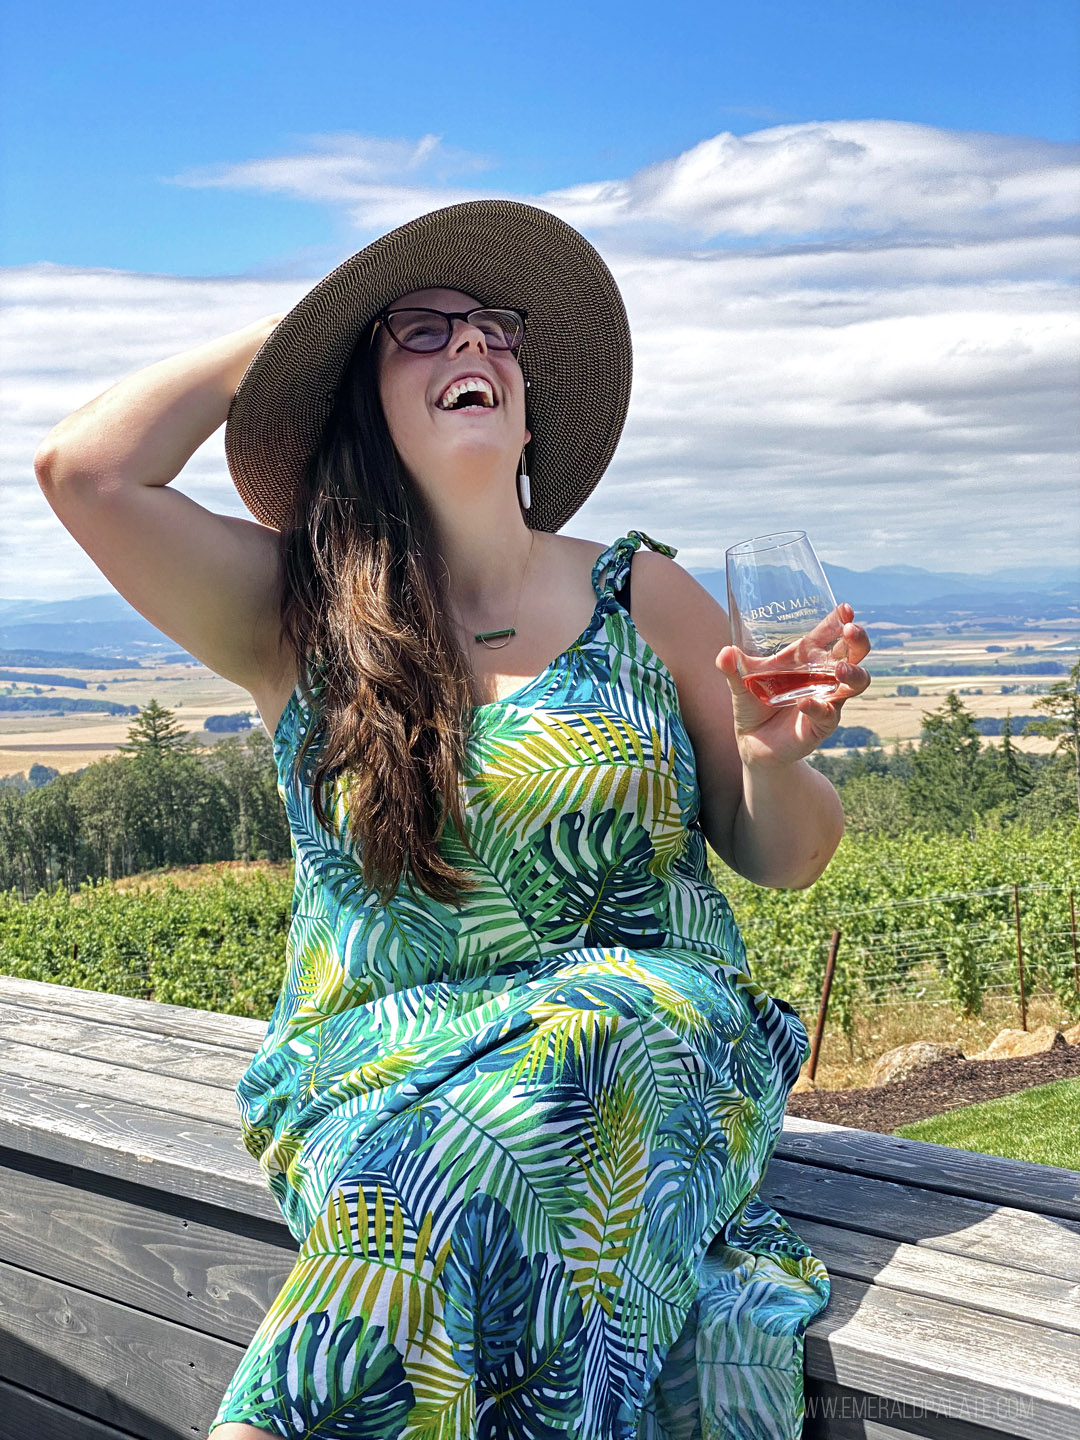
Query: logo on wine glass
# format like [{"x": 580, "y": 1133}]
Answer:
[{"x": 783, "y": 618}]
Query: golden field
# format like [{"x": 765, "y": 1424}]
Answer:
[{"x": 70, "y": 742}]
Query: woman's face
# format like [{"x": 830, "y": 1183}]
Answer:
[{"x": 437, "y": 445}]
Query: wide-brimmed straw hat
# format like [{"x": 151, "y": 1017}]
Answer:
[{"x": 576, "y": 355}]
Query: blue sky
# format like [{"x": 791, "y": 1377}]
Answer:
[
  {"x": 105, "y": 105},
  {"x": 892, "y": 181}
]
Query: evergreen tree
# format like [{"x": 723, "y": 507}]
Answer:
[
  {"x": 901, "y": 762},
  {"x": 1062, "y": 704},
  {"x": 1009, "y": 775},
  {"x": 949, "y": 780},
  {"x": 52, "y": 827},
  {"x": 106, "y": 800},
  {"x": 156, "y": 731},
  {"x": 13, "y": 873},
  {"x": 871, "y": 761}
]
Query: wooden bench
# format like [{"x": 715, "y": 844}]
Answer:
[{"x": 140, "y": 1247}]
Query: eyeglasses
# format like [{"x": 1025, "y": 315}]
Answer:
[{"x": 424, "y": 331}]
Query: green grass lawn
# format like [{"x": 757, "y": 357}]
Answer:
[{"x": 1040, "y": 1124}]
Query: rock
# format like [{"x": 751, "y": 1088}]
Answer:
[
  {"x": 1007, "y": 1044},
  {"x": 896, "y": 1064},
  {"x": 1072, "y": 1035},
  {"x": 802, "y": 1083}
]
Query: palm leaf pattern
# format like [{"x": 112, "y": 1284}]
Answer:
[{"x": 519, "y": 1140}]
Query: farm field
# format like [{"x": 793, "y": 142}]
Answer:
[
  {"x": 895, "y": 718},
  {"x": 70, "y": 742}
]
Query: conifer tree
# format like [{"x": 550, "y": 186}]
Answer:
[
  {"x": 155, "y": 731},
  {"x": 1010, "y": 776},
  {"x": 1062, "y": 704},
  {"x": 949, "y": 773}
]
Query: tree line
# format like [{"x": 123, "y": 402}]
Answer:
[
  {"x": 166, "y": 800},
  {"x": 163, "y": 800},
  {"x": 951, "y": 780}
]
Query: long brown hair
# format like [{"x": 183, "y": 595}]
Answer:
[{"x": 364, "y": 599}]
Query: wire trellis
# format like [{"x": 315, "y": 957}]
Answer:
[{"x": 957, "y": 970}]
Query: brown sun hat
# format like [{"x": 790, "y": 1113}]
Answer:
[{"x": 576, "y": 354}]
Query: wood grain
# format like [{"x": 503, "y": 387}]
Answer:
[
  {"x": 186, "y": 1263},
  {"x": 234, "y": 1032},
  {"x": 125, "y": 1045},
  {"x": 836, "y": 1412},
  {"x": 983, "y": 1285},
  {"x": 108, "y": 1361},
  {"x": 1024, "y": 1239},
  {"x": 181, "y": 1099},
  {"x": 195, "y": 1158},
  {"x": 1024, "y": 1379},
  {"x": 1047, "y": 1189},
  {"x": 24, "y": 1415}
]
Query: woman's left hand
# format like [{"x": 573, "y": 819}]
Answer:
[{"x": 774, "y": 735}]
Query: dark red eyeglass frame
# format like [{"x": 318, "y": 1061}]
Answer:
[{"x": 449, "y": 316}]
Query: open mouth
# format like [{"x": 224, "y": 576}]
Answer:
[{"x": 471, "y": 392}]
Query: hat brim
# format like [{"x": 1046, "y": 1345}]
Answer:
[{"x": 577, "y": 353}]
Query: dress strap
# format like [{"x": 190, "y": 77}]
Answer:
[{"x": 616, "y": 560}]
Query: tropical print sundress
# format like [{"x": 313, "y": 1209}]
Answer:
[{"x": 518, "y": 1140}]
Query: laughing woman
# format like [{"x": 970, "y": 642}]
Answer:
[{"x": 519, "y": 1089}]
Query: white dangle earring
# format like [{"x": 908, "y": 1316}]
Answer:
[{"x": 524, "y": 491}]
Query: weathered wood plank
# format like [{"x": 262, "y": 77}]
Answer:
[
  {"x": 188, "y": 1157},
  {"x": 118, "y": 1365},
  {"x": 834, "y": 1412},
  {"x": 1045, "y": 1244},
  {"x": 1048, "y": 1189},
  {"x": 23, "y": 1414},
  {"x": 980, "y": 1284},
  {"x": 59, "y": 1036},
  {"x": 111, "y": 1081},
  {"x": 949, "y": 1358},
  {"x": 235, "y": 1032},
  {"x": 175, "y": 1258}
]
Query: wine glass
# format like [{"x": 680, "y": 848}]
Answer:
[{"x": 784, "y": 619}]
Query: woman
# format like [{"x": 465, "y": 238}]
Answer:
[{"x": 519, "y": 1076}]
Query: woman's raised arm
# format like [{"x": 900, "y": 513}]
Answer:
[{"x": 208, "y": 581}]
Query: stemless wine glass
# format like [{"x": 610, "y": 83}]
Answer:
[{"x": 783, "y": 618}]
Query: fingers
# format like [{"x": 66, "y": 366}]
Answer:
[
  {"x": 853, "y": 680},
  {"x": 855, "y": 644},
  {"x": 727, "y": 662},
  {"x": 826, "y": 709}
]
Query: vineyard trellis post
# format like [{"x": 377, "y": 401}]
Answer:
[
  {"x": 1072, "y": 932},
  {"x": 826, "y": 986},
  {"x": 1020, "y": 956}
]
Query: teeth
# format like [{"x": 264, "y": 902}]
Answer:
[{"x": 469, "y": 382}]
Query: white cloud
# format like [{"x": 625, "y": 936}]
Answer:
[
  {"x": 866, "y": 329},
  {"x": 842, "y": 180},
  {"x": 839, "y": 180},
  {"x": 376, "y": 182}
]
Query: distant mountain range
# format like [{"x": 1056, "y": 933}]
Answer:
[
  {"x": 98, "y": 631},
  {"x": 908, "y": 595}
]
